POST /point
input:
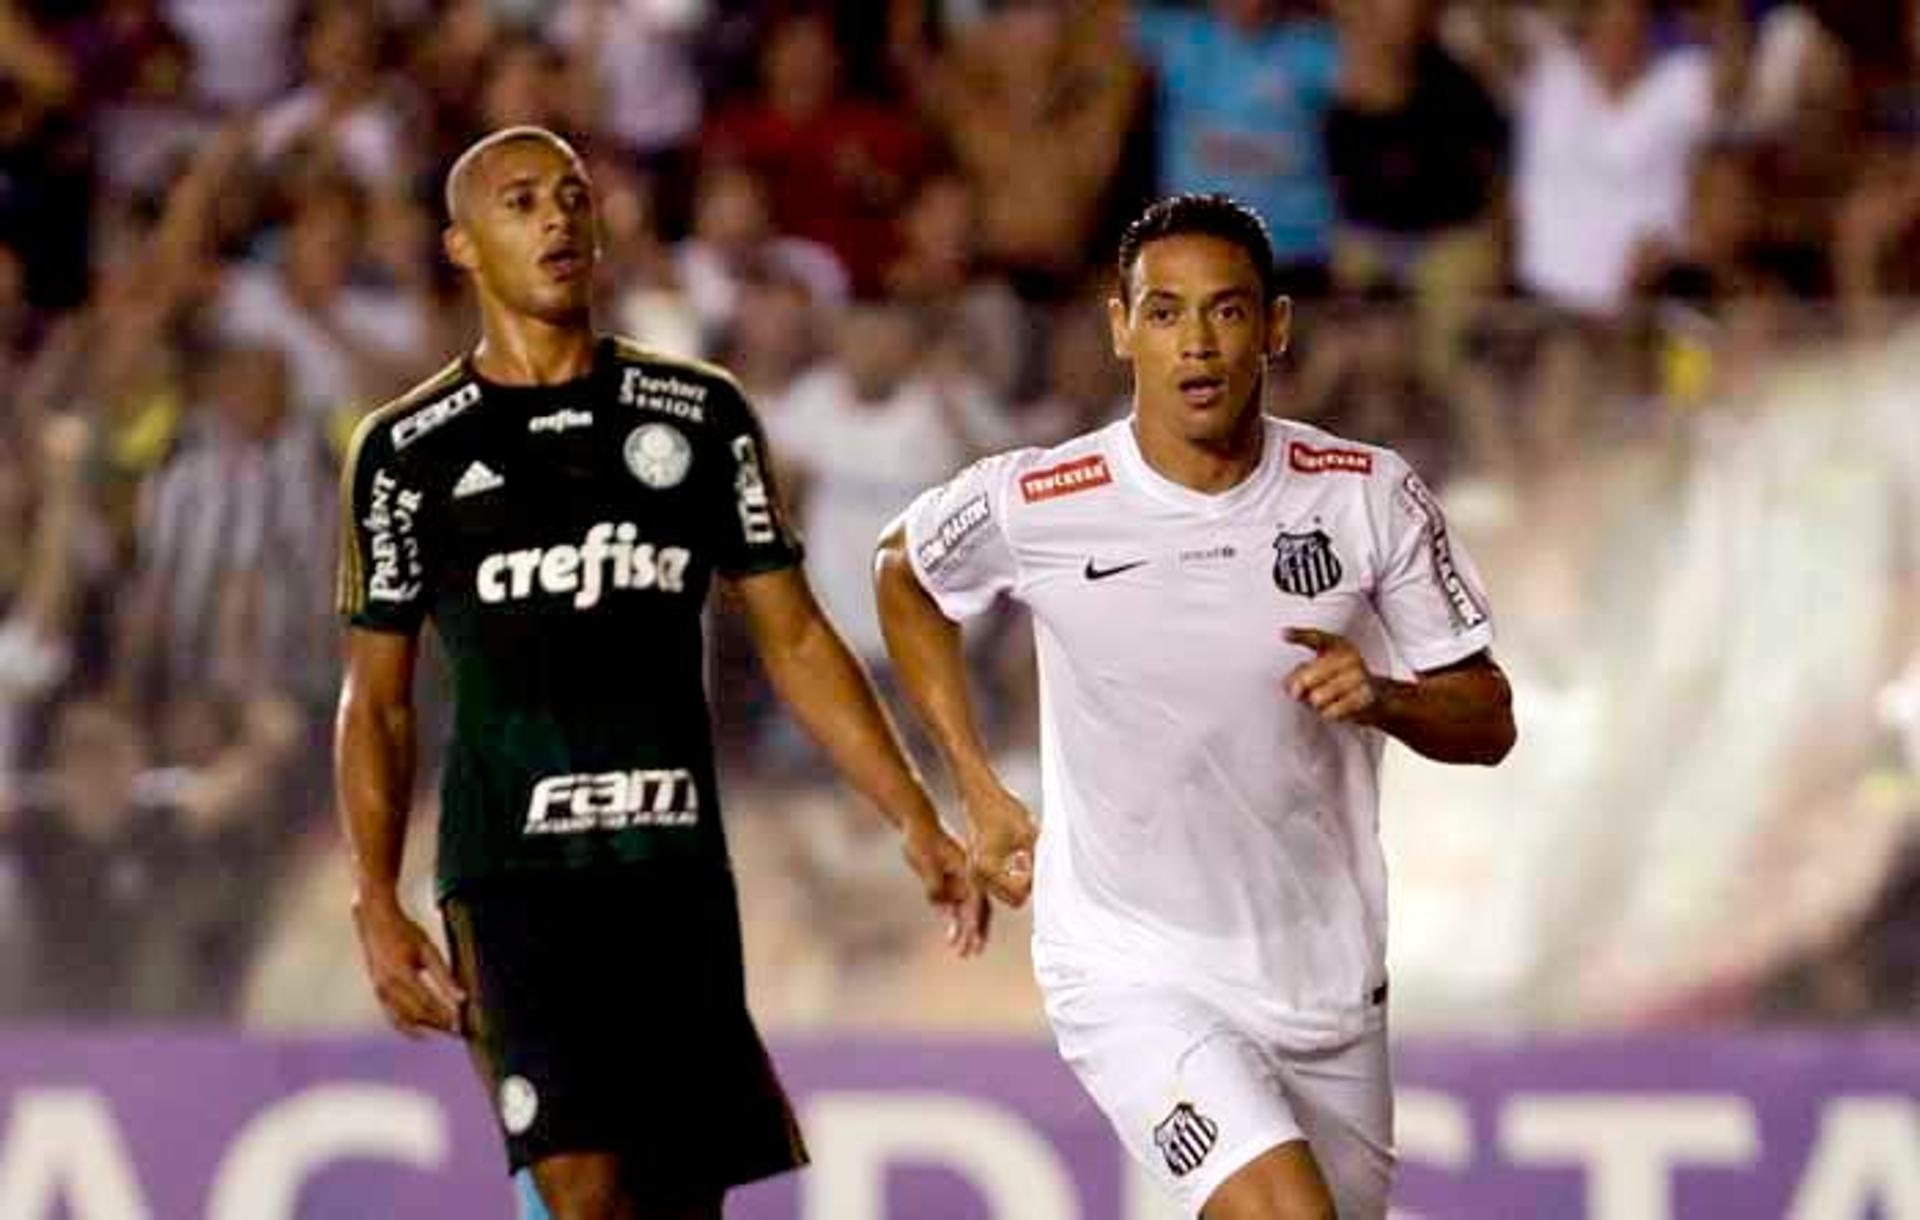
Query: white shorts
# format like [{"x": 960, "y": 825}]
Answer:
[{"x": 1195, "y": 1095}]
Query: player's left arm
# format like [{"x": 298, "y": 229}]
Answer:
[
  {"x": 1427, "y": 592},
  {"x": 1458, "y": 713},
  {"x": 819, "y": 678}
]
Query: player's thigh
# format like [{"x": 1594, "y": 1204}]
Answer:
[
  {"x": 596, "y": 1186},
  {"x": 1192, "y": 1098},
  {"x": 656, "y": 1060},
  {"x": 1282, "y": 1183},
  {"x": 1343, "y": 1100}
]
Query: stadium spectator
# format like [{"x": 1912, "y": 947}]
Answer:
[
  {"x": 733, "y": 228},
  {"x": 778, "y": 331},
  {"x": 836, "y": 167},
  {"x": 244, "y": 51},
  {"x": 635, "y": 79},
  {"x": 340, "y": 119},
  {"x": 858, "y": 432},
  {"x": 346, "y": 343},
  {"x": 1038, "y": 115},
  {"x": 47, "y": 175},
  {"x": 1417, "y": 150},
  {"x": 236, "y": 544},
  {"x": 167, "y": 862},
  {"x": 42, "y": 504},
  {"x": 1609, "y": 124},
  {"x": 1244, "y": 91},
  {"x": 940, "y": 271}
]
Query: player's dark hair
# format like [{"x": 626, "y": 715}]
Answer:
[{"x": 1220, "y": 216}]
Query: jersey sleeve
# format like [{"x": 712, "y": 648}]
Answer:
[
  {"x": 384, "y": 550},
  {"x": 1429, "y": 594},
  {"x": 754, "y": 535},
  {"x": 957, "y": 538}
]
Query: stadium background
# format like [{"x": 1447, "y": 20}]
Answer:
[{"x": 1656, "y": 352}]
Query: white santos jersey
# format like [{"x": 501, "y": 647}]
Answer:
[{"x": 1200, "y": 825}]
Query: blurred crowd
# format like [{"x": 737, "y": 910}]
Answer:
[{"x": 1518, "y": 235}]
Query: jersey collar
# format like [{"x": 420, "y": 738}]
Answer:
[{"x": 1126, "y": 449}]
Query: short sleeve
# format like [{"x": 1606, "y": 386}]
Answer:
[
  {"x": 957, "y": 538},
  {"x": 755, "y": 535},
  {"x": 1428, "y": 594},
  {"x": 383, "y": 548}
]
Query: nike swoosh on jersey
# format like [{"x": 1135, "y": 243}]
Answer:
[{"x": 1099, "y": 573}]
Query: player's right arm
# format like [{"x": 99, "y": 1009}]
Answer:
[
  {"x": 944, "y": 559},
  {"x": 383, "y": 600}
]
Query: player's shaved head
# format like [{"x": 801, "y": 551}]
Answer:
[{"x": 467, "y": 171}]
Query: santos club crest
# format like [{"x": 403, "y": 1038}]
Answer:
[
  {"x": 1304, "y": 564},
  {"x": 1185, "y": 1137}
]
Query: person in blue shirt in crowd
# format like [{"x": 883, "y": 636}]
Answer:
[{"x": 1245, "y": 88}]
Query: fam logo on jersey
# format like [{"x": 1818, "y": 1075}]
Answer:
[
  {"x": 667, "y": 395},
  {"x": 1308, "y": 460},
  {"x": 613, "y": 800},
  {"x": 395, "y": 546},
  {"x": 1185, "y": 1137},
  {"x": 658, "y": 455},
  {"x": 961, "y": 524},
  {"x": 1417, "y": 501},
  {"x": 1081, "y": 474},
  {"x": 610, "y": 556},
  {"x": 519, "y": 1104},
  {"x": 750, "y": 494},
  {"x": 1304, "y": 564},
  {"x": 431, "y": 416}
]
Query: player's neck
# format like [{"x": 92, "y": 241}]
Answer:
[
  {"x": 1206, "y": 467},
  {"x": 518, "y": 350}
]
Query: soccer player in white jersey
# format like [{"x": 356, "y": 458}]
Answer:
[{"x": 1233, "y": 612}]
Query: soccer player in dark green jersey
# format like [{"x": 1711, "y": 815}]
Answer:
[{"x": 558, "y": 503}]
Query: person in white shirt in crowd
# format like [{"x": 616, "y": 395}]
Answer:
[
  {"x": 641, "y": 52},
  {"x": 349, "y": 342},
  {"x": 885, "y": 416},
  {"x": 1233, "y": 613},
  {"x": 340, "y": 117},
  {"x": 732, "y": 230},
  {"x": 243, "y": 50},
  {"x": 1608, "y": 125}
]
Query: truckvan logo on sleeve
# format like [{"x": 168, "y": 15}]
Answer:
[
  {"x": 1081, "y": 474},
  {"x": 609, "y": 557},
  {"x": 1308, "y": 460},
  {"x": 613, "y": 800}
]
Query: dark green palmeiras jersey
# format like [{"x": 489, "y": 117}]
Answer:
[{"x": 562, "y": 540}]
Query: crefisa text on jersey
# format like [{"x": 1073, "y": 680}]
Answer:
[
  {"x": 667, "y": 395},
  {"x": 610, "y": 556}
]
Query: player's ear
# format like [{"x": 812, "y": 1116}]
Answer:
[
  {"x": 459, "y": 247},
  {"x": 1279, "y": 325},
  {"x": 1117, "y": 323}
]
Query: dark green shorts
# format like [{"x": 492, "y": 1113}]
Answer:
[{"x": 607, "y": 1012}]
